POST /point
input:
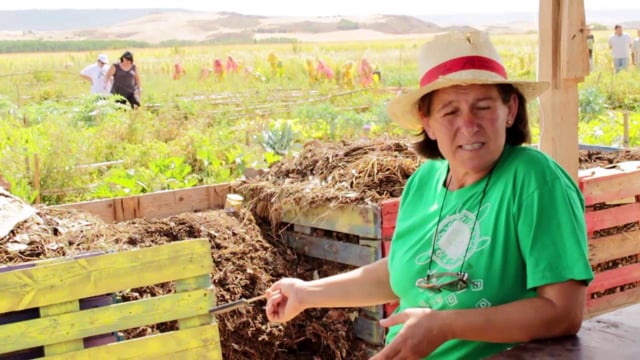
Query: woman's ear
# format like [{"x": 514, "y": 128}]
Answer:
[
  {"x": 513, "y": 110},
  {"x": 426, "y": 125}
]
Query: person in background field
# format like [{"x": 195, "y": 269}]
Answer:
[
  {"x": 620, "y": 43},
  {"x": 218, "y": 69},
  {"x": 490, "y": 244},
  {"x": 95, "y": 74},
  {"x": 126, "y": 80},
  {"x": 590, "y": 43},
  {"x": 324, "y": 71},
  {"x": 635, "y": 51},
  {"x": 232, "y": 66},
  {"x": 178, "y": 70},
  {"x": 365, "y": 71}
]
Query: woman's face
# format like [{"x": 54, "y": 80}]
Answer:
[{"x": 469, "y": 123}]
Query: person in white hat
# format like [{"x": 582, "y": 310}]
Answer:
[
  {"x": 490, "y": 244},
  {"x": 95, "y": 74}
]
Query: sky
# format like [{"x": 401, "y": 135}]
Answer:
[{"x": 317, "y": 8}]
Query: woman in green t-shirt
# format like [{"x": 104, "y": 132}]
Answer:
[{"x": 490, "y": 243}]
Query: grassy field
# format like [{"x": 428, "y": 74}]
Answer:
[{"x": 199, "y": 130}]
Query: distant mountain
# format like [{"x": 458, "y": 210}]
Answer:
[
  {"x": 604, "y": 17},
  {"x": 68, "y": 19},
  {"x": 154, "y": 26},
  {"x": 157, "y": 25}
]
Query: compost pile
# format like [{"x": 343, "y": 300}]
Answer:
[
  {"x": 362, "y": 172},
  {"x": 590, "y": 159},
  {"x": 245, "y": 264}
]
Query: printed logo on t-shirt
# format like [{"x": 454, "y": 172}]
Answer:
[
  {"x": 477, "y": 285},
  {"x": 436, "y": 301},
  {"x": 483, "y": 303},
  {"x": 453, "y": 235},
  {"x": 452, "y": 299}
]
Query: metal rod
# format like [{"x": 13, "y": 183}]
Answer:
[{"x": 224, "y": 308}]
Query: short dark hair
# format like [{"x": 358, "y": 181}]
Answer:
[
  {"x": 127, "y": 55},
  {"x": 517, "y": 134}
]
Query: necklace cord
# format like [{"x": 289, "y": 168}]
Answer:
[{"x": 473, "y": 227}]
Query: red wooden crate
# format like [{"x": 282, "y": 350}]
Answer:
[{"x": 612, "y": 198}]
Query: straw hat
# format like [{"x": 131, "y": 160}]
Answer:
[{"x": 456, "y": 59}]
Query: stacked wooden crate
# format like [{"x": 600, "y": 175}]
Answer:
[
  {"x": 347, "y": 234},
  {"x": 612, "y": 197}
]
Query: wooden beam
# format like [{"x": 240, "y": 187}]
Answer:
[
  {"x": 606, "y": 185},
  {"x": 614, "y": 247},
  {"x": 574, "y": 54},
  {"x": 333, "y": 250},
  {"x": 155, "y": 205},
  {"x": 613, "y": 278},
  {"x": 615, "y": 216},
  {"x": 559, "y": 50},
  {"x": 361, "y": 220},
  {"x": 195, "y": 343},
  {"x": 611, "y": 302}
]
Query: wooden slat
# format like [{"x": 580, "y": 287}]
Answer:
[
  {"x": 389, "y": 210},
  {"x": 615, "y": 216},
  {"x": 387, "y": 231},
  {"x": 60, "y": 282},
  {"x": 155, "y": 205},
  {"x": 369, "y": 330},
  {"x": 374, "y": 311},
  {"x": 328, "y": 249},
  {"x": 65, "y": 346},
  {"x": 101, "y": 320},
  {"x": 611, "y": 302},
  {"x": 610, "y": 186},
  {"x": 198, "y": 282},
  {"x": 361, "y": 220},
  {"x": 614, "y": 247},
  {"x": 211, "y": 351},
  {"x": 616, "y": 277},
  {"x": 195, "y": 343},
  {"x": 389, "y": 308},
  {"x": 386, "y": 247}
]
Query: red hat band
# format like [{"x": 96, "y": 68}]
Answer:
[{"x": 463, "y": 63}]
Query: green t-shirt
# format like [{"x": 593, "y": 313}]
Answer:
[{"x": 530, "y": 231}]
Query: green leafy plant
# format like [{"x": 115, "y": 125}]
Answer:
[
  {"x": 278, "y": 138},
  {"x": 592, "y": 103}
]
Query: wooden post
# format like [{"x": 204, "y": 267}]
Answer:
[
  {"x": 36, "y": 178},
  {"x": 625, "y": 121},
  {"x": 563, "y": 62}
]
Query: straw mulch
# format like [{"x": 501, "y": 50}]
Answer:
[{"x": 329, "y": 175}]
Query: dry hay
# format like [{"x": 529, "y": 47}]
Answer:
[
  {"x": 245, "y": 264},
  {"x": 333, "y": 174},
  {"x": 363, "y": 172},
  {"x": 590, "y": 159}
]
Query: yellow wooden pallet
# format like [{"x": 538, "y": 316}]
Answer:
[{"x": 55, "y": 287}]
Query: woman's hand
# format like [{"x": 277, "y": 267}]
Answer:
[
  {"x": 283, "y": 300},
  {"x": 423, "y": 332}
]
